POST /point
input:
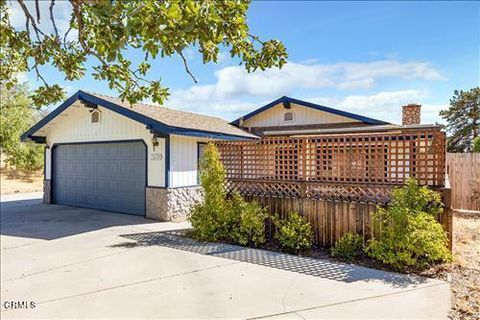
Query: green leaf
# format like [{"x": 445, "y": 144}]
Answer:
[{"x": 109, "y": 28}]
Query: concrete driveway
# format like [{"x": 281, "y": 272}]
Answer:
[{"x": 63, "y": 262}]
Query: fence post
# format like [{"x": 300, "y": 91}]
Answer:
[{"x": 448, "y": 214}]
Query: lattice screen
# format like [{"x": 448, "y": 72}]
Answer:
[{"x": 342, "y": 167}]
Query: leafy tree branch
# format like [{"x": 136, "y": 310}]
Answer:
[{"x": 106, "y": 29}]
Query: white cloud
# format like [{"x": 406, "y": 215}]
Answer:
[
  {"x": 234, "y": 86},
  {"x": 386, "y": 105},
  {"x": 234, "y": 82},
  {"x": 62, "y": 11},
  {"x": 309, "y": 61},
  {"x": 223, "y": 56},
  {"x": 226, "y": 97},
  {"x": 22, "y": 77}
]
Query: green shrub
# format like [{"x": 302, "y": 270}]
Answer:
[
  {"x": 476, "y": 144},
  {"x": 249, "y": 227},
  {"x": 294, "y": 233},
  {"x": 349, "y": 246},
  {"x": 211, "y": 218},
  {"x": 406, "y": 232},
  {"x": 220, "y": 219}
]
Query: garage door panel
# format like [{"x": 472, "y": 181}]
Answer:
[
  {"x": 108, "y": 176},
  {"x": 79, "y": 167}
]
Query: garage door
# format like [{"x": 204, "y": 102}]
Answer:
[{"x": 106, "y": 176}]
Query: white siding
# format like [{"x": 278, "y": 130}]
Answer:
[
  {"x": 183, "y": 161},
  {"x": 48, "y": 153},
  {"x": 74, "y": 125},
  {"x": 302, "y": 116}
]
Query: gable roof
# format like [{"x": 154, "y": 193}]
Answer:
[
  {"x": 287, "y": 100},
  {"x": 156, "y": 118}
]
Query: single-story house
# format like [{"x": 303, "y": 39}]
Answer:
[{"x": 104, "y": 154}]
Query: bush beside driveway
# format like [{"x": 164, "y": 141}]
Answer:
[{"x": 82, "y": 263}]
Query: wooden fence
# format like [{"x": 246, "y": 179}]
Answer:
[
  {"x": 332, "y": 219},
  {"x": 335, "y": 181},
  {"x": 463, "y": 171},
  {"x": 329, "y": 220}
]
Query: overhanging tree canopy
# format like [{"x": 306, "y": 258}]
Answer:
[{"x": 107, "y": 28}]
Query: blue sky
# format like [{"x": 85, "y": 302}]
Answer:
[{"x": 364, "y": 57}]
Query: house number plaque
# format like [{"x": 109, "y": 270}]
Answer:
[{"x": 156, "y": 157}]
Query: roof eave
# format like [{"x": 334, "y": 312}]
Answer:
[
  {"x": 151, "y": 124},
  {"x": 212, "y": 135},
  {"x": 307, "y": 104},
  {"x": 380, "y": 128}
]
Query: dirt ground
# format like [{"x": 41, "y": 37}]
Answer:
[
  {"x": 465, "y": 272},
  {"x": 466, "y": 239},
  {"x": 12, "y": 181}
]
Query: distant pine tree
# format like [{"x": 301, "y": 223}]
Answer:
[{"x": 463, "y": 120}]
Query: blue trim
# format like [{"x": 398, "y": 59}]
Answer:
[
  {"x": 167, "y": 161},
  {"x": 38, "y": 139},
  {"x": 286, "y": 101},
  {"x": 52, "y": 172},
  {"x": 153, "y": 125},
  {"x": 212, "y": 135}
]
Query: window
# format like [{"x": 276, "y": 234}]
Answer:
[
  {"x": 95, "y": 116},
  {"x": 288, "y": 116}
]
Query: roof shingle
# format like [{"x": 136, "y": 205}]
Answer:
[{"x": 180, "y": 119}]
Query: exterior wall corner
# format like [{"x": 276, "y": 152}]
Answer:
[
  {"x": 171, "y": 204},
  {"x": 47, "y": 194}
]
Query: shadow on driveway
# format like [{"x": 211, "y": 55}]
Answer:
[
  {"x": 33, "y": 219},
  {"x": 309, "y": 266}
]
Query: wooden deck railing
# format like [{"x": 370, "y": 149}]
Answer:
[{"x": 346, "y": 167}]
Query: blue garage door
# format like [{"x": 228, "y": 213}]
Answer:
[{"x": 106, "y": 176}]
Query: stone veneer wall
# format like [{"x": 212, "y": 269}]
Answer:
[
  {"x": 171, "y": 204},
  {"x": 47, "y": 185},
  {"x": 411, "y": 114}
]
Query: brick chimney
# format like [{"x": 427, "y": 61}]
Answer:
[{"x": 411, "y": 114}]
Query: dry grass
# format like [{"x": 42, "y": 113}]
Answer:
[
  {"x": 466, "y": 239},
  {"x": 12, "y": 181},
  {"x": 465, "y": 272}
]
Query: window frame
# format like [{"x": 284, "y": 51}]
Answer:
[
  {"x": 92, "y": 114},
  {"x": 293, "y": 116}
]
